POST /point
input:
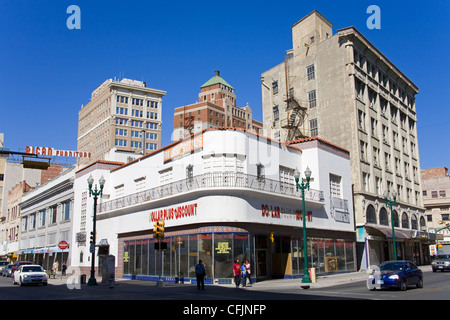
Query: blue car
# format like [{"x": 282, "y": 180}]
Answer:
[{"x": 395, "y": 274}]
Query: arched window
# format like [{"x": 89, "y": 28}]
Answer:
[
  {"x": 422, "y": 222},
  {"x": 405, "y": 221},
  {"x": 396, "y": 220},
  {"x": 384, "y": 217},
  {"x": 414, "y": 224},
  {"x": 371, "y": 216}
]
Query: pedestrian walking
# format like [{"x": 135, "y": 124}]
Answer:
[
  {"x": 200, "y": 274},
  {"x": 243, "y": 274},
  {"x": 247, "y": 267},
  {"x": 64, "y": 268},
  {"x": 237, "y": 272},
  {"x": 55, "y": 267}
]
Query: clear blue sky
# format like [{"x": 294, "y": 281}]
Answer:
[{"x": 48, "y": 71}]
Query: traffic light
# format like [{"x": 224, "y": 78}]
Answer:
[
  {"x": 158, "y": 230},
  {"x": 271, "y": 236},
  {"x": 92, "y": 237}
]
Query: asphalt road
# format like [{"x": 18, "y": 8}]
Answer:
[{"x": 436, "y": 287}]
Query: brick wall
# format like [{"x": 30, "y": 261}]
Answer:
[
  {"x": 50, "y": 173},
  {"x": 434, "y": 172}
]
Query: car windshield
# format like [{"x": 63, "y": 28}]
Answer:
[
  {"x": 394, "y": 266},
  {"x": 443, "y": 256},
  {"x": 32, "y": 269}
]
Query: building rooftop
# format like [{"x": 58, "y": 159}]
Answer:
[{"x": 217, "y": 79}]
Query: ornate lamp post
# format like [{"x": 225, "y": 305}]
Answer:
[
  {"x": 391, "y": 203},
  {"x": 303, "y": 186},
  {"x": 96, "y": 193}
]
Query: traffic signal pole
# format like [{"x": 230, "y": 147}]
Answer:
[{"x": 158, "y": 234}]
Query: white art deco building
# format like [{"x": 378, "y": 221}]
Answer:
[{"x": 224, "y": 193}]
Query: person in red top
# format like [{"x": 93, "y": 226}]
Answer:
[{"x": 237, "y": 272}]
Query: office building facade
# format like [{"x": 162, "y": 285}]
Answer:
[
  {"x": 343, "y": 89},
  {"x": 123, "y": 116}
]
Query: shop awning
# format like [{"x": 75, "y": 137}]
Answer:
[
  {"x": 399, "y": 234},
  {"x": 42, "y": 250}
]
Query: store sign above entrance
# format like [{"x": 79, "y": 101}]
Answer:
[
  {"x": 280, "y": 212},
  {"x": 183, "y": 148},
  {"x": 178, "y": 212}
]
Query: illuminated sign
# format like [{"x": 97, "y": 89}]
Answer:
[{"x": 46, "y": 151}]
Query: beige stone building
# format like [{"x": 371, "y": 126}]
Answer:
[
  {"x": 436, "y": 198},
  {"x": 341, "y": 88},
  {"x": 122, "y": 117},
  {"x": 216, "y": 107}
]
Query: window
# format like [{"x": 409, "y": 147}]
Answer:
[
  {"x": 335, "y": 186},
  {"x": 373, "y": 127},
  {"x": 310, "y": 72},
  {"x": 53, "y": 214},
  {"x": 384, "y": 217},
  {"x": 314, "y": 131},
  {"x": 441, "y": 193},
  {"x": 41, "y": 218},
  {"x": 366, "y": 182},
  {"x": 434, "y": 194},
  {"x": 136, "y": 144},
  {"x": 276, "y": 113},
  {"x": 376, "y": 157},
  {"x": 66, "y": 211},
  {"x": 312, "y": 98},
  {"x": 405, "y": 221},
  {"x": 359, "y": 88},
  {"x": 121, "y": 143},
  {"x": 260, "y": 172},
  {"x": 371, "y": 216},
  {"x": 275, "y": 87},
  {"x": 361, "y": 119},
  {"x": 363, "y": 150}
]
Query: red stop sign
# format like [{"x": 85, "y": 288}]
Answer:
[{"x": 63, "y": 245}]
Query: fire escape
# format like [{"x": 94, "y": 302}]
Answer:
[{"x": 295, "y": 112}]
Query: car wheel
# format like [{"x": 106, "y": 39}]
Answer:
[
  {"x": 420, "y": 283},
  {"x": 14, "y": 282},
  {"x": 20, "y": 282},
  {"x": 403, "y": 286}
]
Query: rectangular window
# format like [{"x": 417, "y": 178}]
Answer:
[
  {"x": 312, "y": 98},
  {"x": 335, "y": 186},
  {"x": 66, "y": 208},
  {"x": 275, "y": 87},
  {"x": 276, "y": 113},
  {"x": 313, "y": 129},
  {"x": 310, "y": 72}
]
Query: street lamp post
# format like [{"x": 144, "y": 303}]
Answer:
[
  {"x": 303, "y": 186},
  {"x": 96, "y": 193},
  {"x": 391, "y": 203}
]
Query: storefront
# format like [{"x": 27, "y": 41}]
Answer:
[
  {"x": 44, "y": 257},
  {"x": 224, "y": 195},
  {"x": 280, "y": 258}
]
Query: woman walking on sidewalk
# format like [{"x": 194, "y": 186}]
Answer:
[{"x": 237, "y": 272}]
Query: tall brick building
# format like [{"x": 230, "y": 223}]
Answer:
[{"x": 216, "y": 107}]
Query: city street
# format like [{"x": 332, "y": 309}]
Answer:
[{"x": 436, "y": 287}]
